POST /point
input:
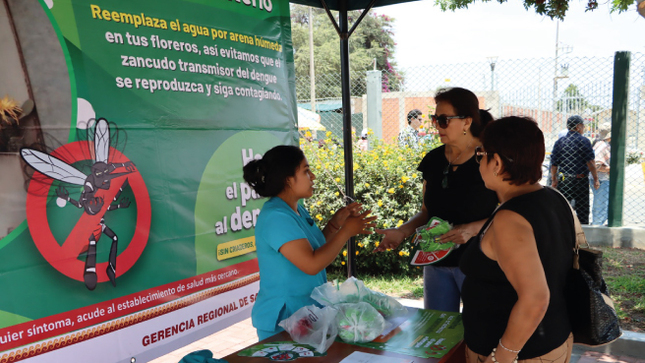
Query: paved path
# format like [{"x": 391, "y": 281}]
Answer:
[{"x": 597, "y": 357}]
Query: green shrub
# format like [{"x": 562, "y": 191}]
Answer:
[{"x": 385, "y": 181}]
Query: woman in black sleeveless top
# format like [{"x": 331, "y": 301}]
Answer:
[{"x": 513, "y": 294}]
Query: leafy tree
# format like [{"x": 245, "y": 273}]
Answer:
[
  {"x": 551, "y": 8},
  {"x": 573, "y": 100},
  {"x": 371, "y": 40}
]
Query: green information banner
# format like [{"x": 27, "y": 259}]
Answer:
[{"x": 139, "y": 231}]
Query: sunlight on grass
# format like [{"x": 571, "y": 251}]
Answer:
[
  {"x": 626, "y": 284},
  {"x": 396, "y": 286},
  {"x": 640, "y": 306}
]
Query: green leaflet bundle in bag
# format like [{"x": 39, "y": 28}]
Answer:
[
  {"x": 359, "y": 322},
  {"x": 425, "y": 249},
  {"x": 355, "y": 291}
]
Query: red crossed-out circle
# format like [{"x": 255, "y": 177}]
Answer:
[{"x": 64, "y": 258}]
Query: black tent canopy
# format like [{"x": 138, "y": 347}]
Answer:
[
  {"x": 349, "y": 4},
  {"x": 344, "y": 32}
]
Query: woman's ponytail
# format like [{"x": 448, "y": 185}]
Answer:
[
  {"x": 255, "y": 175},
  {"x": 268, "y": 176},
  {"x": 485, "y": 117}
]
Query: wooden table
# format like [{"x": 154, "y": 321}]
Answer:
[{"x": 338, "y": 351}]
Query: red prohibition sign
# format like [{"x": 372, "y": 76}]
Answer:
[{"x": 64, "y": 257}]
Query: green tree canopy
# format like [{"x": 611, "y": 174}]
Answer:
[
  {"x": 551, "y": 8},
  {"x": 372, "y": 40},
  {"x": 573, "y": 100}
]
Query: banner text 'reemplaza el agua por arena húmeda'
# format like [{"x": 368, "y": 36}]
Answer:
[{"x": 133, "y": 232}]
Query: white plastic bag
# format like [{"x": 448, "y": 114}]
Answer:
[
  {"x": 313, "y": 326},
  {"x": 353, "y": 291},
  {"x": 359, "y": 322}
]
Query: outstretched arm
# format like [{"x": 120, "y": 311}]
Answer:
[
  {"x": 393, "y": 237},
  {"x": 462, "y": 233}
]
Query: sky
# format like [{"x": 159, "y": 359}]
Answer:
[{"x": 426, "y": 35}]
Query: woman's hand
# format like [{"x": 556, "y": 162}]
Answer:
[
  {"x": 359, "y": 223},
  {"x": 310, "y": 261},
  {"x": 391, "y": 240},
  {"x": 460, "y": 234},
  {"x": 338, "y": 219}
]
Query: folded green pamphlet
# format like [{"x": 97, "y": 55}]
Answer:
[{"x": 426, "y": 249}]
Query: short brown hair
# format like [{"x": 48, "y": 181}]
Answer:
[{"x": 520, "y": 144}]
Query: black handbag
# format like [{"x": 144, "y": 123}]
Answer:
[{"x": 591, "y": 311}]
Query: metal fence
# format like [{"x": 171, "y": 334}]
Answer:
[{"x": 547, "y": 89}]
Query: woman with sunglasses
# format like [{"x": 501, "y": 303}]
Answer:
[
  {"x": 516, "y": 270},
  {"x": 292, "y": 251},
  {"x": 453, "y": 190}
]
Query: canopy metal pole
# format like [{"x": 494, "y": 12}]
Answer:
[
  {"x": 347, "y": 123},
  {"x": 344, "y": 34}
]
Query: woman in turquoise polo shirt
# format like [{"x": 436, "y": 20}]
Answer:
[{"x": 292, "y": 251}]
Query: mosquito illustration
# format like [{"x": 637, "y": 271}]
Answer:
[{"x": 102, "y": 173}]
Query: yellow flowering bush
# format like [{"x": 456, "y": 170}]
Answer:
[{"x": 385, "y": 181}]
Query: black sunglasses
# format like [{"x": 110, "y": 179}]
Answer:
[
  {"x": 443, "y": 120},
  {"x": 480, "y": 153}
]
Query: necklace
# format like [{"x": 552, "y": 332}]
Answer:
[{"x": 444, "y": 181}]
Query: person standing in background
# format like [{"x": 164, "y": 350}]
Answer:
[
  {"x": 571, "y": 161},
  {"x": 602, "y": 149},
  {"x": 603, "y": 130},
  {"x": 363, "y": 144},
  {"x": 409, "y": 136}
]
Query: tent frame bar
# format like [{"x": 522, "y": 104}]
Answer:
[
  {"x": 358, "y": 21},
  {"x": 344, "y": 34}
]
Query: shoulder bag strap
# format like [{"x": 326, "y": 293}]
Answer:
[{"x": 581, "y": 239}]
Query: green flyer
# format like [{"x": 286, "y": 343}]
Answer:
[{"x": 426, "y": 334}]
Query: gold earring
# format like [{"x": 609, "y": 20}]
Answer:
[{"x": 464, "y": 132}]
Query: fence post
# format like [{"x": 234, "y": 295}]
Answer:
[
  {"x": 374, "y": 103},
  {"x": 618, "y": 138}
]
